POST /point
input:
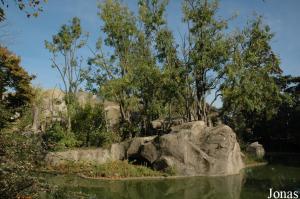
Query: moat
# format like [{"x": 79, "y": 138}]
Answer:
[{"x": 280, "y": 174}]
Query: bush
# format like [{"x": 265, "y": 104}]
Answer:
[
  {"x": 5, "y": 115},
  {"x": 20, "y": 154},
  {"x": 114, "y": 169},
  {"x": 57, "y": 138},
  {"x": 128, "y": 130},
  {"x": 89, "y": 126}
]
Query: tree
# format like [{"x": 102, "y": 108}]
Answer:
[
  {"x": 18, "y": 153},
  {"x": 30, "y": 7},
  {"x": 112, "y": 74},
  {"x": 208, "y": 51},
  {"x": 173, "y": 75},
  {"x": 158, "y": 62},
  {"x": 281, "y": 132},
  {"x": 64, "y": 48},
  {"x": 131, "y": 75},
  {"x": 250, "y": 92},
  {"x": 15, "y": 87}
]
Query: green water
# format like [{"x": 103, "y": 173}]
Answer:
[{"x": 252, "y": 183}]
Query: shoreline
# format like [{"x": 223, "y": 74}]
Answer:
[
  {"x": 150, "y": 177},
  {"x": 257, "y": 164},
  {"x": 166, "y": 177}
]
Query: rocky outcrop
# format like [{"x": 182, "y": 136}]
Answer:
[
  {"x": 190, "y": 149},
  {"x": 256, "y": 149},
  {"x": 51, "y": 107},
  {"x": 98, "y": 156},
  {"x": 165, "y": 123},
  {"x": 112, "y": 113},
  {"x": 194, "y": 149}
]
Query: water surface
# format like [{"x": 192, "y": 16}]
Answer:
[{"x": 283, "y": 173}]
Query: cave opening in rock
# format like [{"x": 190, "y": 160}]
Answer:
[{"x": 139, "y": 160}]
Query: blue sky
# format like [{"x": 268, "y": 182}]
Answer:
[{"x": 26, "y": 36}]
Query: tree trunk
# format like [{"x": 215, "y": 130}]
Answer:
[
  {"x": 198, "y": 99},
  {"x": 69, "y": 123},
  {"x": 35, "y": 121}
]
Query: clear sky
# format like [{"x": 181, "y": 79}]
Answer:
[{"x": 26, "y": 36}]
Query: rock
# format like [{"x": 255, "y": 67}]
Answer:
[
  {"x": 256, "y": 149},
  {"x": 157, "y": 124},
  {"x": 190, "y": 149},
  {"x": 53, "y": 108},
  {"x": 195, "y": 149},
  {"x": 118, "y": 151},
  {"x": 136, "y": 144},
  {"x": 162, "y": 123},
  {"x": 192, "y": 127},
  {"x": 149, "y": 152},
  {"x": 98, "y": 156},
  {"x": 112, "y": 113}
]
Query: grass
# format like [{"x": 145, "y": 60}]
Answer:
[
  {"x": 115, "y": 169},
  {"x": 250, "y": 159}
]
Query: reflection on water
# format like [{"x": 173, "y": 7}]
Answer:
[
  {"x": 183, "y": 188},
  {"x": 259, "y": 180},
  {"x": 253, "y": 183}
]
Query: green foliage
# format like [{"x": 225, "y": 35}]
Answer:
[
  {"x": 151, "y": 14},
  {"x": 120, "y": 28},
  {"x": 5, "y": 115},
  {"x": 56, "y": 137},
  {"x": 89, "y": 129},
  {"x": 132, "y": 75},
  {"x": 171, "y": 171},
  {"x": 13, "y": 78},
  {"x": 250, "y": 93},
  {"x": 281, "y": 132},
  {"x": 115, "y": 169},
  {"x": 146, "y": 74},
  {"x": 128, "y": 130},
  {"x": 90, "y": 126},
  {"x": 209, "y": 50},
  {"x": 65, "y": 46},
  {"x": 19, "y": 156},
  {"x": 15, "y": 88}
]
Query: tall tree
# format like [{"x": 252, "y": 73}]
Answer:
[
  {"x": 64, "y": 48},
  {"x": 209, "y": 50},
  {"x": 15, "y": 87},
  {"x": 132, "y": 75},
  {"x": 250, "y": 92},
  {"x": 173, "y": 73},
  {"x": 121, "y": 32}
]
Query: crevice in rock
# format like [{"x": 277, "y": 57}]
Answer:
[{"x": 139, "y": 160}]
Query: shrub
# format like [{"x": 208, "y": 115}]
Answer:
[
  {"x": 57, "y": 138},
  {"x": 20, "y": 154},
  {"x": 89, "y": 126},
  {"x": 114, "y": 169},
  {"x": 5, "y": 115},
  {"x": 128, "y": 130}
]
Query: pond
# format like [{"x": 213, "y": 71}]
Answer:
[{"x": 283, "y": 173}]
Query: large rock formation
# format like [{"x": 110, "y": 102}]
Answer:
[
  {"x": 190, "y": 149},
  {"x": 195, "y": 149},
  {"x": 52, "y": 107}
]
